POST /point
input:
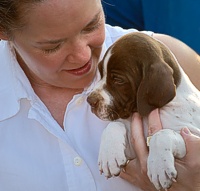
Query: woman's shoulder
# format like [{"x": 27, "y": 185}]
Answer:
[{"x": 115, "y": 32}]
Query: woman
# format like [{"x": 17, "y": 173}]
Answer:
[{"x": 49, "y": 55}]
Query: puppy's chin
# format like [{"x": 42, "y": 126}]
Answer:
[
  {"x": 126, "y": 112},
  {"x": 111, "y": 116},
  {"x": 125, "y": 116},
  {"x": 105, "y": 116},
  {"x": 110, "y": 113}
]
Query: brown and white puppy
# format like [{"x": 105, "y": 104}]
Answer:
[{"x": 139, "y": 73}]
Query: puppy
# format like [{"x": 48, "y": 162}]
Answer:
[{"x": 139, "y": 74}]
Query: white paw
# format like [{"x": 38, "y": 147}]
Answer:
[
  {"x": 112, "y": 150},
  {"x": 164, "y": 146},
  {"x": 161, "y": 169}
]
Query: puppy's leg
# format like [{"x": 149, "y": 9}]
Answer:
[
  {"x": 164, "y": 146},
  {"x": 112, "y": 149}
]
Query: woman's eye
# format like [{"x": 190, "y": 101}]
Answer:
[
  {"x": 92, "y": 28},
  {"x": 52, "y": 50}
]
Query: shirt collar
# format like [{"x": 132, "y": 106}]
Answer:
[{"x": 14, "y": 84}]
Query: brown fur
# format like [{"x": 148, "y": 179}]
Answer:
[{"x": 147, "y": 67}]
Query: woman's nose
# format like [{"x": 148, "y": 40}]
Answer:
[{"x": 79, "y": 53}]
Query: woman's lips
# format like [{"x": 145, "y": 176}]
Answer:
[{"x": 82, "y": 70}]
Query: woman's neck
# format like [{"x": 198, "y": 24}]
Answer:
[{"x": 55, "y": 98}]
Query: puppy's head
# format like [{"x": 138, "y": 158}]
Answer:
[{"x": 138, "y": 73}]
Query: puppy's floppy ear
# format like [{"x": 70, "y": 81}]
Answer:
[{"x": 156, "y": 89}]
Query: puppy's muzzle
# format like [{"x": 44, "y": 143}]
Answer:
[{"x": 94, "y": 99}]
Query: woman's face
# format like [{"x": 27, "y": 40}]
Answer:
[{"x": 61, "y": 42}]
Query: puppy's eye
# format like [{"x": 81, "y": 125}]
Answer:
[
  {"x": 118, "y": 81},
  {"x": 117, "y": 78}
]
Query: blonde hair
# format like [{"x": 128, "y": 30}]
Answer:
[{"x": 13, "y": 14}]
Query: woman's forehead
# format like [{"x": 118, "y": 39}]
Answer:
[
  {"x": 70, "y": 5},
  {"x": 60, "y": 18},
  {"x": 64, "y": 10}
]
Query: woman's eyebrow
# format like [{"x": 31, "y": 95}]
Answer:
[
  {"x": 56, "y": 41},
  {"x": 95, "y": 19}
]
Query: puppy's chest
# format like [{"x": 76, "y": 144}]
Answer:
[{"x": 183, "y": 110}]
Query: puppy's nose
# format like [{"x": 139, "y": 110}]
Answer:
[{"x": 93, "y": 101}]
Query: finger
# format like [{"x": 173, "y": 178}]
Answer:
[
  {"x": 192, "y": 147},
  {"x": 126, "y": 176},
  {"x": 138, "y": 139},
  {"x": 131, "y": 173},
  {"x": 190, "y": 139},
  {"x": 186, "y": 133},
  {"x": 154, "y": 122}
]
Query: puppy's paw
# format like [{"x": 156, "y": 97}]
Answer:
[
  {"x": 164, "y": 146},
  {"x": 112, "y": 150},
  {"x": 161, "y": 169},
  {"x": 111, "y": 161}
]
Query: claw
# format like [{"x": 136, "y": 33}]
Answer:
[{"x": 174, "y": 180}]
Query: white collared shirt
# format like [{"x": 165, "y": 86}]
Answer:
[{"x": 35, "y": 153}]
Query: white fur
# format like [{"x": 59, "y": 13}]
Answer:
[
  {"x": 99, "y": 87},
  {"x": 113, "y": 139}
]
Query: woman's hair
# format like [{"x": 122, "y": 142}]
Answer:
[{"x": 13, "y": 14}]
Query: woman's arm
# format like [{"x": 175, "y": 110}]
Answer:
[{"x": 136, "y": 170}]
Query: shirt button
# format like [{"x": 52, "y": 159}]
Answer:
[
  {"x": 77, "y": 161},
  {"x": 79, "y": 101}
]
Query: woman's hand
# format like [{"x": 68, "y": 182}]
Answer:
[{"x": 188, "y": 168}]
